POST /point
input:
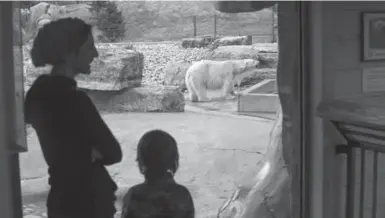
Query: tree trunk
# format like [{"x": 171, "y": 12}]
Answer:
[{"x": 274, "y": 190}]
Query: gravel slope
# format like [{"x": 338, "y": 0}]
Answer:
[{"x": 157, "y": 56}]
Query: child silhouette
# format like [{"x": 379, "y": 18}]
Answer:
[{"x": 159, "y": 196}]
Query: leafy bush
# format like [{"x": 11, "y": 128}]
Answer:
[{"x": 109, "y": 20}]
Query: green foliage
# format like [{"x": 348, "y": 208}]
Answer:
[{"x": 109, "y": 20}]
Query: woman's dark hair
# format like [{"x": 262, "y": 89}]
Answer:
[
  {"x": 157, "y": 153},
  {"x": 57, "y": 39}
]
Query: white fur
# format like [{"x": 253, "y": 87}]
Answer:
[{"x": 214, "y": 75}]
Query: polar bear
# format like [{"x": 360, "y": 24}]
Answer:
[{"x": 215, "y": 75}]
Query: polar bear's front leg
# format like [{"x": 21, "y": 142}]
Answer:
[
  {"x": 228, "y": 89},
  {"x": 191, "y": 90}
]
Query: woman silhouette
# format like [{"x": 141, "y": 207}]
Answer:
[{"x": 75, "y": 141}]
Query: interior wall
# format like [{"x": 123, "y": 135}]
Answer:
[{"x": 342, "y": 77}]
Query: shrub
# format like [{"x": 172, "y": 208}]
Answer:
[{"x": 109, "y": 20}]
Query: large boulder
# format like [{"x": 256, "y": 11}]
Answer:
[
  {"x": 232, "y": 40},
  {"x": 197, "y": 42},
  {"x": 44, "y": 12},
  {"x": 37, "y": 11},
  {"x": 116, "y": 68},
  {"x": 43, "y": 20},
  {"x": 175, "y": 74},
  {"x": 81, "y": 11},
  {"x": 140, "y": 99},
  {"x": 265, "y": 52}
]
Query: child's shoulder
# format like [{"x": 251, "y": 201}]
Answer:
[
  {"x": 168, "y": 200},
  {"x": 146, "y": 191},
  {"x": 144, "y": 187},
  {"x": 181, "y": 189},
  {"x": 135, "y": 189}
]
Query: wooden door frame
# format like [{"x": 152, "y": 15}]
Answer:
[
  {"x": 9, "y": 163},
  {"x": 10, "y": 188},
  {"x": 305, "y": 106}
]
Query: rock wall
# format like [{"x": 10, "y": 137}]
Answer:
[{"x": 139, "y": 99}]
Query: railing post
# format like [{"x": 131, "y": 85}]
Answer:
[
  {"x": 350, "y": 183},
  {"x": 273, "y": 25},
  {"x": 350, "y": 177}
]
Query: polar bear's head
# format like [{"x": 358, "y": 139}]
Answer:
[
  {"x": 251, "y": 64},
  {"x": 245, "y": 65}
]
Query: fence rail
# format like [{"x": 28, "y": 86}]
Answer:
[
  {"x": 262, "y": 26},
  {"x": 361, "y": 200},
  {"x": 246, "y": 26}
]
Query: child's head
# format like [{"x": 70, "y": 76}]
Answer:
[{"x": 157, "y": 154}]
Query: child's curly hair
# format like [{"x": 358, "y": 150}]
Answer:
[
  {"x": 57, "y": 39},
  {"x": 157, "y": 153}
]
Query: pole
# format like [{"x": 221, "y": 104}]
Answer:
[
  {"x": 273, "y": 24},
  {"x": 195, "y": 25},
  {"x": 215, "y": 25}
]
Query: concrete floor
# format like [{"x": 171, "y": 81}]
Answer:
[{"x": 215, "y": 151}]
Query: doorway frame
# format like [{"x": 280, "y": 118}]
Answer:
[
  {"x": 9, "y": 163},
  {"x": 10, "y": 184},
  {"x": 305, "y": 100}
]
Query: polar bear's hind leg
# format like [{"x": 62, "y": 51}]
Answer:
[
  {"x": 193, "y": 97},
  {"x": 202, "y": 94},
  {"x": 190, "y": 88}
]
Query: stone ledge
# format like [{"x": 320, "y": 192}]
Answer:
[{"x": 139, "y": 99}]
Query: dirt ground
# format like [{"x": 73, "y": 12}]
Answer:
[{"x": 215, "y": 151}]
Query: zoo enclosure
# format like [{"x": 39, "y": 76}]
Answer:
[{"x": 152, "y": 21}]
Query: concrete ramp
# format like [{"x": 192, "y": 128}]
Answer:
[{"x": 260, "y": 98}]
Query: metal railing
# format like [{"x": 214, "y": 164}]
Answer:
[{"x": 361, "y": 141}]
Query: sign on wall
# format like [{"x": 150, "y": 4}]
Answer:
[
  {"x": 373, "y": 36},
  {"x": 373, "y": 79}
]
